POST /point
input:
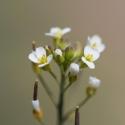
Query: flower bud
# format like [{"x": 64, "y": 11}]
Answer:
[
  {"x": 90, "y": 91},
  {"x": 69, "y": 53},
  {"x": 38, "y": 114},
  {"x": 35, "y": 103},
  {"x": 94, "y": 82},
  {"x": 74, "y": 69},
  {"x": 59, "y": 56},
  {"x": 58, "y": 52}
]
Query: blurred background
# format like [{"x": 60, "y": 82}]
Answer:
[{"x": 22, "y": 21}]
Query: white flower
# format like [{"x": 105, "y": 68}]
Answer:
[
  {"x": 94, "y": 82},
  {"x": 39, "y": 57},
  {"x": 57, "y": 32},
  {"x": 74, "y": 69},
  {"x": 96, "y": 43},
  {"x": 58, "y": 52},
  {"x": 90, "y": 55},
  {"x": 36, "y": 105}
]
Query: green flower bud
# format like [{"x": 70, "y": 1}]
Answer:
[
  {"x": 90, "y": 91},
  {"x": 72, "y": 78},
  {"x": 69, "y": 53}
]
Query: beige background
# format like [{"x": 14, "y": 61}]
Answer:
[{"x": 22, "y": 21}]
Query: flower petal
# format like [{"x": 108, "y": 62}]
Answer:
[
  {"x": 91, "y": 65},
  {"x": 66, "y": 30},
  {"x": 95, "y": 42},
  {"x": 40, "y": 51},
  {"x": 32, "y": 57},
  {"x": 53, "y": 31},
  {"x": 101, "y": 48},
  {"x": 94, "y": 39},
  {"x": 96, "y": 55},
  {"x": 89, "y": 51},
  {"x": 49, "y": 58},
  {"x": 42, "y": 65},
  {"x": 50, "y": 34}
]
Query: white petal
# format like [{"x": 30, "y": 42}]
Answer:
[
  {"x": 42, "y": 65},
  {"x": 95, "y": 39},
  {"x": 40, "y": 51},
  {"x": 96, "y": 43},
  {"x": 89, "y": 51},
  {"x": 96, "y": 55},
  {"x": 55, "y": 30},
  {"x": 66, "y": 30},
  {"x": 50, "y": 34},
  {"x": 36, "y": 105},
  {"x": 49, "y": 58},
  {"x": 32, "y": 57},
  {"x": 93, "y": 81},
  {"x": 91, "y": 65},
  {"x": 88, "y": 39},
  {"x": 101, "y": 48}
]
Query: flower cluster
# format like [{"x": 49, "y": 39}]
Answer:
[{"x": 71, "y": 61}]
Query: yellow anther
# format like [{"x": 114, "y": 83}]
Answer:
[
  {"x": 89, "y": 57},
  {"x": 43, "y": 59},
  {"x": 94, "y": 45}
]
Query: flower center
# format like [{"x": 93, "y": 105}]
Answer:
[
  {"x": 43, "y": 59},
  {"x": 94, "y": 45},
  {"x": 59, "y": 34},
  {"x": 89, "y": 57}
]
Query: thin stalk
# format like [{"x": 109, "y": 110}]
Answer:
[
  {"x": 66, "y": 88},
  {"x": 82, "y": 103},
  {"x": 77, "y": 116},
  {"x": 54, "y": 76},
  {"x": 49, "y": 93},
  {"x": 42, "y": 123},
  {"x": 61, "y": 99}
]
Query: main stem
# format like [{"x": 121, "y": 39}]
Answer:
[{"x": 61, "y": 99}]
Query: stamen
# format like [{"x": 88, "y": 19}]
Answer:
[
  {"x": 33, "y": 45},
  {"x": 89, "y": 57},
  {"x": 94, "y": 45},
  {"x": 43, "y": 59}
]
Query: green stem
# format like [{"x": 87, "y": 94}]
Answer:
[
  {"x": 82, "y": 103},
  {"x": 61, "y": 99},
  {"x": 47, "y": 89},
  {"x": 53, "y": 75},
  {"x": 42, "y": 123},
  {"x": 66, "y": 88}
]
